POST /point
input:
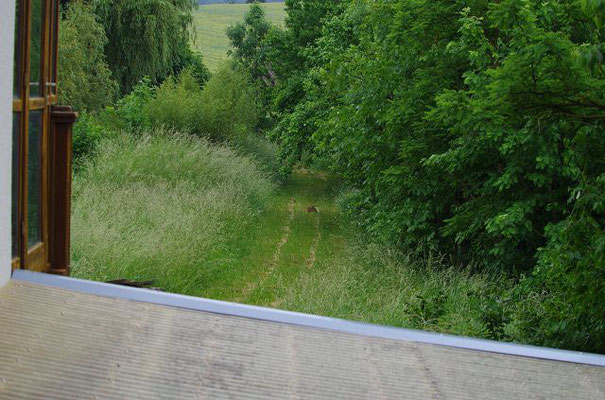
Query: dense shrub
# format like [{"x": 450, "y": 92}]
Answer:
[
  {"x": 130, "y": 110},
  {"x": 230, "y": 110},
  {"x": 87, "y": 132},
  {"x": 174, "y": 103},
  {"x": 223, "y": 110},
  {"x": 85, "y": 81},
  {"x": 566, "y": 303}
]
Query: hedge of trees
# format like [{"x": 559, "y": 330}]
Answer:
[{"x": 470, "y": 128}]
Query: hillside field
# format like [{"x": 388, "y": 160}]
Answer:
[{"x": 212, "y": 21}]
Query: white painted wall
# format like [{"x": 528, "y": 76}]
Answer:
[{"x": 7, "y": 29}]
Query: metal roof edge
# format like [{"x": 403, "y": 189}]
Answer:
[{"x": 305, "y": 320}]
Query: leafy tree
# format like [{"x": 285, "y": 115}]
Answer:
[
  {"x": 292, "y": 54},
  {"x": 567, "y": 308},
  {"x": 146, "y": 37},
  {"x": 304, "y": 19},
  {"x": 418, "y": 103},
  {"x": 193, "y": 62},
  {"x": 85, "y": 80},
  {"x": 248, "y": 41}
]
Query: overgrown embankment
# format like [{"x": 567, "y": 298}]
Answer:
[{"x": 165, "y": 207}]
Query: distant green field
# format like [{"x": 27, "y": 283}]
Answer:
[{"x": 212, "y": 21}]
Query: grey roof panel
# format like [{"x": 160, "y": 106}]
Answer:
[
  {"x": 57, "y": 343},
  {"x": 314, "y": 321}
]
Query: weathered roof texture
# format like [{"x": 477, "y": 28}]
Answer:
[{"x": 61, "y": 344}]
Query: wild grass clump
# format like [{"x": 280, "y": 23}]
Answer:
[
  {"x": 377, "y": 284},
  {"x": 263, "y": 151},
  {"x": 166, "y": 207}
]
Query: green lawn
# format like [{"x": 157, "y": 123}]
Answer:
[{"x": 212, "y": 21}]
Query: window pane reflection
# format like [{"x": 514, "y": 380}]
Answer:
[
  {"x": 34, "y": 179},
  {"x": 35, "y": 51},
  {"x": 17, "y": 65},
  {"x": 15, "y": 188},
  {"x": 53, "y": 47}
]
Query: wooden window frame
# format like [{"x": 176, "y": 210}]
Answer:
[{"x": 36, "y": 257}]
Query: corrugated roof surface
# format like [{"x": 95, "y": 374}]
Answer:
[{"x": 59, "y": 344}]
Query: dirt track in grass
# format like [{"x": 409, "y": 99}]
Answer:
[{"x": 304, "y": 215}]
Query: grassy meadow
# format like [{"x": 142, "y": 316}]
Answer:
[
  {"x": 206, "y": 220},
  {"x": 212, "y": 21}
]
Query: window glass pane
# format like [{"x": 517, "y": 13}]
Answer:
[
  {"x": 15, "y": 188},
  {"x": 34, "y": 178},
  {"x": 17, "y": 65},
  {"x": 35, "y": 50},
  {"x": 53, "y": 46}
]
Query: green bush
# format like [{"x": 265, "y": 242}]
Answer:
[
  {"x": 87, "y": 133},
  {"x": 175, "y": 104},
  {"x": 562, "y": 304},
  {"x": 223, "y": 110},
  {"x": 130, "y": 110},
  {"x": 229, "y": 109}
]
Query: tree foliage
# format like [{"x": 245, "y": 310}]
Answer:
[
  {"x": 146, "y": 37},
  {"x": 472, "y": 128},
  {"x": 85, "y": 80},
  {"x": 248, "y": 40}
]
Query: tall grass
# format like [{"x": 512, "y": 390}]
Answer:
[
  {"x": 376, "y": 284},
  {"x": 165, "y": 207}
]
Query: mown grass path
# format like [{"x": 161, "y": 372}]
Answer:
[
  {"x": 299, "y": 227},
  {"x": 317, "y": 263}
]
